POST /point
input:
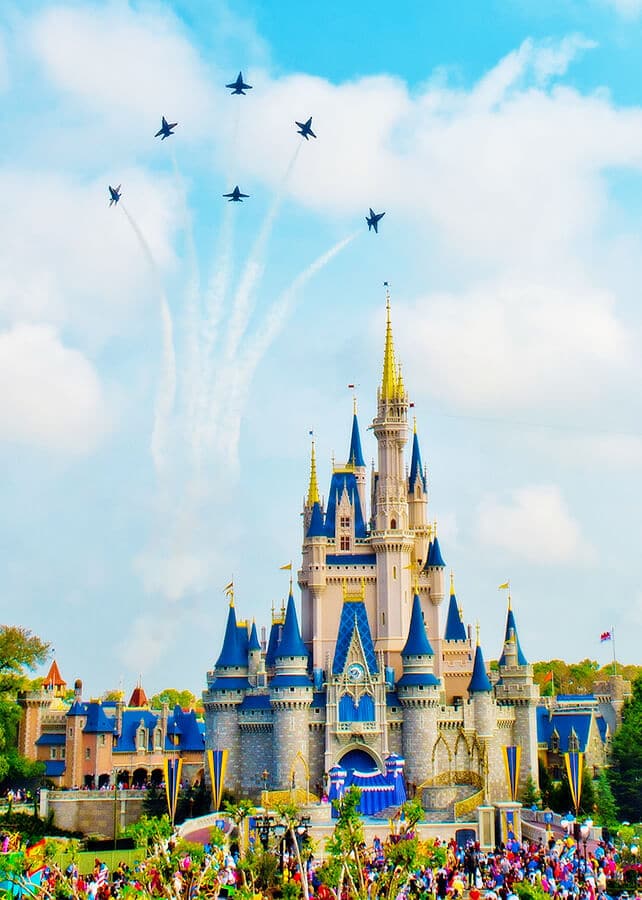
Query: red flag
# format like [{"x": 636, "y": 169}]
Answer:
[
  {"x": 605, "y": 636},
  {"x": 548, "y": 677}
]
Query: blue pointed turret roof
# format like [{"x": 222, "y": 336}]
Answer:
[
  {"x": 316, "y": 528},
  {"x": 416, "y": 469},
  {"x": 417, "y": 643},
  {"x": 355, "y": 456},
  {"x": 354, "y": 616},
  {"x": 512, "y": 627},
  {"x": 479, "y": 682},
  {"x": 232, "y": 650},
  {"x": 455, "y": 628},
  {"x": 273, "y": 641},
  {"x": 344, "y": 480},
  {"x": 434, "y": 554},
  {"x": 291, "y": 643},
  {"x": 254, "y": 639}
]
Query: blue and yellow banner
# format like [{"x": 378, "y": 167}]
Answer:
[
  {"x": 575, "y": 769},
  {"x": 512, "y": 760},
  {"x": 217, "y": 764},
  {"x": 173, "y": 769}
]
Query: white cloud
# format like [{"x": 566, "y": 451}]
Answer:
[
  {"x": 535, "y": 525},
  {"x": 628, "y": 9},
  {"x": 517, "y": 346},
  {"x": 50, "y": 395}
]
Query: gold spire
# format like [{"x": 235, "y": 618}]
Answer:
[
  {"x": 390, "y": 375},
  {"x": 477, "y": 630},
  {"x": 313, "y": 489},
  {"x": 452, "y": 582},
  {"x": 414, "y": 424},
  {"x": 401, "y": 389},
  {"x": 354, "y": 405}
]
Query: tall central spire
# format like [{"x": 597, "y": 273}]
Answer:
[
  {"x": 390, "y": 374},
  {"x": 313, "y": 488}
]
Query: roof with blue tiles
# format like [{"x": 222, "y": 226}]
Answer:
[
  {"x": 354, "y": 616},
  {"x": 417, "y": 643}
]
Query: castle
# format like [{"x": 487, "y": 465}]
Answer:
[{"x": 370, "y": 672}]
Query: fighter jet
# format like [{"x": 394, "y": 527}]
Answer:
[
  {"x": 165, "y": 129},
  {"x": 236, "y": 196},
  {"x": 305, "y": 129},
  {"x": 114, "y": 194},
  {"x": 373, "y": 220},
  {"x": 239, "y": 86}
]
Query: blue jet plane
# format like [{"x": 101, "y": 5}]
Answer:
[
  {"x": 235, "y": 196},
  {"x": 165, "y": 129},
  {"x": 305, "y": 129},
  {"x": 239, "y": 86},
  {"x": 373, "y": 220},
  {"x": 114, "y": 194}
]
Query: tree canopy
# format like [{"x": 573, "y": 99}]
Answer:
[
  {"x": 625, "y": 773},
  {"x": 173, "y": 697},
  {"x": 577, "y": 678}
]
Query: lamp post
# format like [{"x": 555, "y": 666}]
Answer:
[
  {"x": 264, "y": 824},
  {"x": 585, "y": 830},
  {"x": 264, "y": 775}
]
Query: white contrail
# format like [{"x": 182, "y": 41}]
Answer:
[
  {"x": 167, "y": 388},
  {"x": 253, "y": 271},
  {"x": 240, "y": 377}
]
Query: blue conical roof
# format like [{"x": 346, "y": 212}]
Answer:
[
  {"x": 434, "y": 554},
  {"x": 232, "y": 651},
  {"x": 254, "y": 639},
  {"x": 417, "y": 643},
  {"x": 355, "y": 456},
  {"x": 291, "y": 643},
  {"x": 316, "y": 528},
  {"x": 416, "y": 469},
  {"x": 455, "y": 628},
  {"x": 479, "y": 683},
  {"x": 511, "y": 626}
]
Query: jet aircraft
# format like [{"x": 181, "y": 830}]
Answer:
[
  {"x": 114, "y": 194},
  {"x": 235, "y": 196},
  {"x": 305, "y": 129},
  {"x": 165, "y": 129},
  {"x": 239, "y": 86},
  {"x": 373, "y": 220}
]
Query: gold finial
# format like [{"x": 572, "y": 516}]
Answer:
[
  {"x": 228, "y": 590},
  {"x": 414, "y": 424},
  {"x": 354, "y": 405},
  {"x": 290, "y": 582},
  {"x": 434, "y": 528},
  {"x": 313, "y": 488},
  {"x": 477, "y": 630},
  {"x": 509, "y": 601},
  {"x": 452, "y": 582},
  {"x": 389, "y": 380}
]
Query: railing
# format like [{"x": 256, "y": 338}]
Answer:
[
  {"x": 456, "y": 776},
  {"x": 358, "y": 727},
  {"x": 463, "y": 807}
]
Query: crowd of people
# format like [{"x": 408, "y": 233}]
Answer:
[{"x": 563, "y": 869}]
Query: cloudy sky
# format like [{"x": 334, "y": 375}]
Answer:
[{"x": 163, "y": 361}]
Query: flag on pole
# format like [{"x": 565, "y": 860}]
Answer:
[
  {"x": 287, "y": 567},
  {"x": 574, "y": 769},
  {"x": 228, "y": 588},
  {"x": 512, "y": 759},
  {"x": 548, "y": 677},
  {"x": 351, "y": 386},
  {"x": 173, "y": 769},
  {"x": 217, "y": 764},
  {"x": 605, "y": 636},
  {"x": 504, "y": 587}
]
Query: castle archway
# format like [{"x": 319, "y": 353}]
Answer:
[{"x": 360, "y": 759}]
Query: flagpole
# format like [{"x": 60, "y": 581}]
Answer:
[{"x": 613, "y": 642}]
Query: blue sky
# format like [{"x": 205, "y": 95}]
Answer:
[{"x": 159, "y": 377}]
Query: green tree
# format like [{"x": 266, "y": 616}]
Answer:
[
  {"x": 625, "y": 772},
  {"x": 606, "y": 807},
  {"x": 239, "y": 812},
  {"x": 20, "y": 652},
  {"x": 290, "y": 816},
  {"x": 344, "y": 850},
  {"x": 530, "y": 795},
  {"x": 172, "y": 697}
]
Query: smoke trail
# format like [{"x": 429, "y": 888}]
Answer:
[
  {"x": 254, "y": 267},
  {"x": 167, "y": 387},
  {"x": 242, "y": 378}
]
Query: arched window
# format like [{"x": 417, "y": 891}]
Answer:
[
  {"x": 348, "y": 712},
  {"x": 141, "y": 738},
  {"x": 366, "y": 710},
  {"x": 393, "y": 524},
  {"x": 158, "y": 739}
]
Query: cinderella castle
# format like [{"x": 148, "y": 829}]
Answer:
[{"x": 379, "y": 666}]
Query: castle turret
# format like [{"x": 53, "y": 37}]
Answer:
[
  {"x": 517, "y": 688},
  {"x": 391, "y": 539},
  {"x": 418, "y": 691},
  {"x": 418, "y": 499},
  {"x": 481, "y": 690},
  {"x": 456, "y": 652},
  {"x": 254, "y": 655},
  {"x": 355, "y": 458},
  {"x": 227, "y": 686},
  {"x": 313, "y": 570},
  {"x": 291, "y": 697}
]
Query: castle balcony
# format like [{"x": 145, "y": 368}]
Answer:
[{"x": 357, "y": 727}]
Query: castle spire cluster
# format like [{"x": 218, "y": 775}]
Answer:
[{"x": 368, "y": 672}]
